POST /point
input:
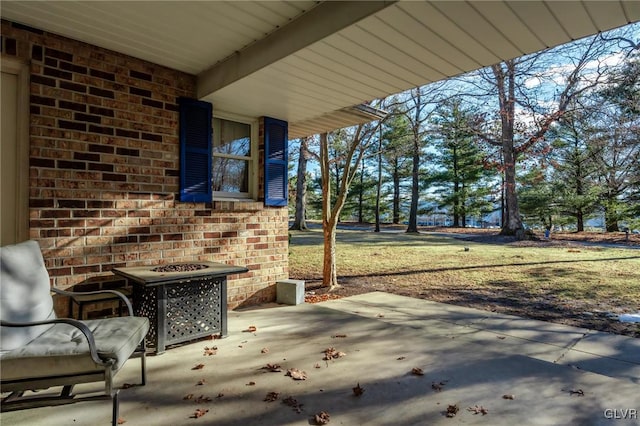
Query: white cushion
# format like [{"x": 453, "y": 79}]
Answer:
[
  {"x": 24, "y": 293},
  {"x": 63, "y": 349}
]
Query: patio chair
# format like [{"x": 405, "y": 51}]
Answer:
[{"x": 40, "y": 351}]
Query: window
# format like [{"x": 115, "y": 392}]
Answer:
[
  {"x": 219, "y": 156},
  {"x": 233, "y": 164}
]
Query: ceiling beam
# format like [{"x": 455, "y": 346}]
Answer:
[{"x": 320, "y": 22}]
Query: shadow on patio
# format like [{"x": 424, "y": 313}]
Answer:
[{"x": 470, "y": 358}]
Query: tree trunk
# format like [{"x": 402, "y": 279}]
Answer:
[
  {"x": 513, "y": 223},
  {"x": 396, "y": 195},
  {"x": 299, "y": 222},
  {"x": 361, "y": 194},
  {"x": 610, "y": 216},
  {"x": 413, "y": 212},
  {"x": 580, "y": 220},
  {"x": 330, "y": 214},
  {"x": 506, "y": 95},
  {"x": 329, "y": 273},
  {"x": 379, "y": 184}
]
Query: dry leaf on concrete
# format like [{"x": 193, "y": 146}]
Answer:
[
  {"x": 272, "y": 396},
  {"x": 208, "y": 351},
  {"x": 202, "y": 399},
  {"x": 322, "y": 418},
  {"x": 296, "y": 374},
  {"x": 264, "y": 350},
  {"x": 199, "y": 413},
  {"x": 478, "y": 409},
  {"x": 417, "y": 371},
  {"x": 251, "y": 329},
  {"x": 201, "y": 382},
  {"x": 358, "y": 390},
  {"x": 121, "y": 421},
  {"x": 188, "y": 396},
  {"x": 274, "y": 368},
  {"x": 452, "y": 410},
  {"x": 198, "y": 367},
  {"x": 438, "y": 386},
  {"x": 332, "y": 353},
  {"x": 508, "y": 396},
  {"x": 293, "y": 403}
]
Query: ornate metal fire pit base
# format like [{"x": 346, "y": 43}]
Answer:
[{"x": 182, "y": 303}]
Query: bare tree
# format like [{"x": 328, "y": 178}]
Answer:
[
  {"x": 420, "y": 106},
  {"x": 524, "y": 117},
  {"x": 356, "y": 147}
]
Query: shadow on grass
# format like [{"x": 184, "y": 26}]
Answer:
[{"x": 474, "y": 267}]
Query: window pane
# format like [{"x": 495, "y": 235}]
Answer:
[
  {"x": 230, "y": 137},
  {"x": 230, "y": 175}
]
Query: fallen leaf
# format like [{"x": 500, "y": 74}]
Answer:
[
  {"x": 478, "y": 409},
  {"x": 251, "y": 329},
  {"x": 210, "y": 350},
  {"x": 274, "y": 368},
  {"x": 508, "y": 396},
  {"x": 332, "y": 353},
  {"x": 272, "y": 396},
  {"x": 220, "y": 395},
  {"x": 199, "y": 413},
  {"x": 311, "y": 298},
  {"x": 201, "y": 382},
  {"x": 202, "y": 399},
  {"x": 296, "y": 374},
  {"x": 188, "y": 396},
  {"x": 438, "y": 386},
  {"x": 317, "y": 365},
  {"x": 127, "y": 386},
  {"x": 417, "y": 371},
  {"x": 578, "y": 392},
  {"x": 293, "y": 403},
  {"x": 251, "y": 384},
  {"x": 322, "y": 418},
  {"x": 264, "y": 350},
  {"x": 452, "y": 410},
  {"x": 358, "y": 391},
  {"x": 400, "y": 358},
  {"x": 198, "y": 367},
  {"x": 338, "y": 336},
  {"x": 215, "y": 337},
  {"x": 380, "y": 315},
  {"x": 121, "y": 421},
  {"x": 501, "y": 337}
]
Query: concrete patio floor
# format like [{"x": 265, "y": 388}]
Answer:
[{"x": 557, "y": 375}]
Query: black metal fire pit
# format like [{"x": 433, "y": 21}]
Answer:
[{"x": 183, "y": 301}]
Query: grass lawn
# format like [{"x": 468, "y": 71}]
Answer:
[{"x": 564, "y": 282}]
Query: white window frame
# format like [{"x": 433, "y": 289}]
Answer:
[{"x": 252, "y": 159}]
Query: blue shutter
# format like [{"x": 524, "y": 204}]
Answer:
[
  {"x": 195, "y": 150},
  {"x": 276, "y": 160}
]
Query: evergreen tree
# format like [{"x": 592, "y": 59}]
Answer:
[{"x": 460, "y": 175}]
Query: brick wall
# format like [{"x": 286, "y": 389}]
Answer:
[{"x": 104, "y": 160}]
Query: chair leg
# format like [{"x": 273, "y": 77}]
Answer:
[
  {"x": 116, "y": 408},
  {"x": 143, "y": 361}
]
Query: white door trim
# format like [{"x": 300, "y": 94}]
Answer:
[{"x": 21, "y": 70}]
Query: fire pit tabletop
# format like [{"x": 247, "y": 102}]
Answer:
[{"x": 145, "y": 274}]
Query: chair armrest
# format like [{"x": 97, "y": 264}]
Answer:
[
  {"x": 74, "y": 323},
  {"x": 124, "y": 298}
]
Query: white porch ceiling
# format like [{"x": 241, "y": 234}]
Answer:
[{"x": 307, "y": 62}]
